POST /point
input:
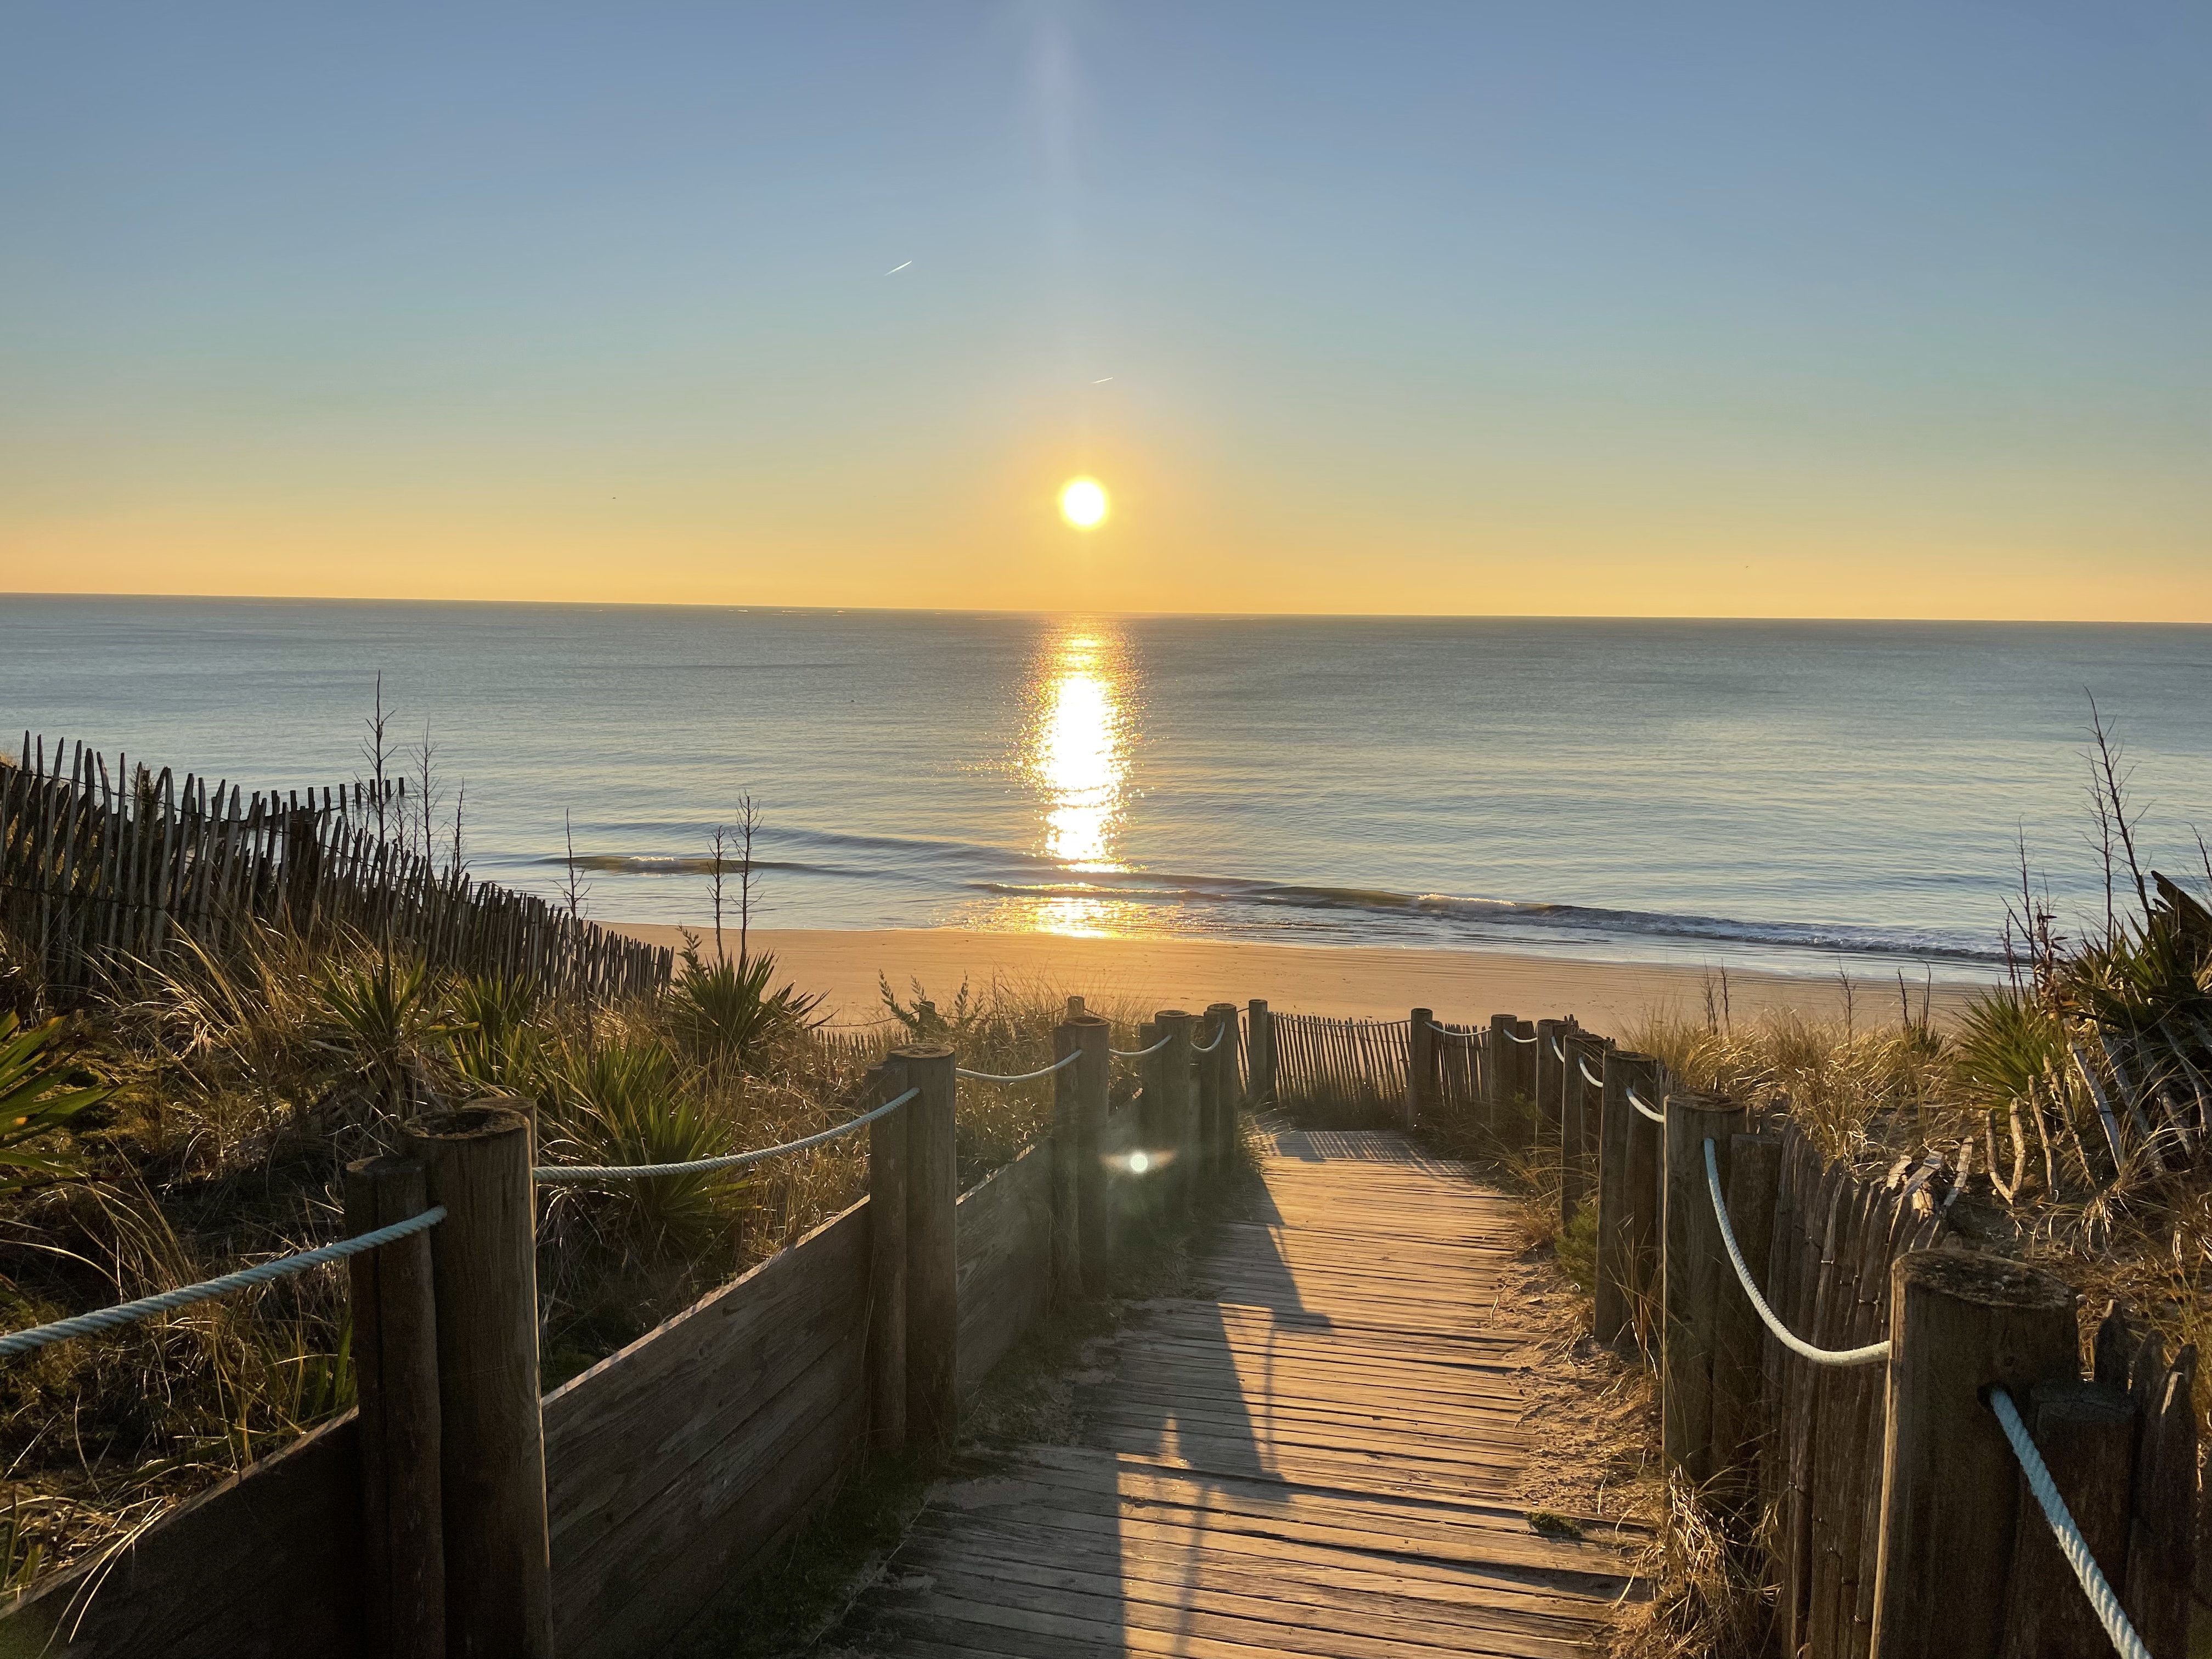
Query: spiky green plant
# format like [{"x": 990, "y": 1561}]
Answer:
[
  {"x": 493, "y": 1041},
  {"x": 623, "y": 1101},
  {"x": 381, "y": 1019},
  {"x": 729, "y": 1014},
  {"x": 39, "y": 1096}
]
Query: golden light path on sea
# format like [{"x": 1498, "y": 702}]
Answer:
[{"x": 1079, "y": 760}]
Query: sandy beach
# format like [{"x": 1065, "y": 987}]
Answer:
[{"x": 1365, "y": 982}]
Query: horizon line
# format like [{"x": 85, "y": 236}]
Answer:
[{"x": 1194, "y": 615}]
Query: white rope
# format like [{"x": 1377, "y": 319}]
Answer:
[
  {"x": 1866, "y": 1356},
  {"x": 1442, "y": 1030},
  {"x": 1516, "y": 1036},
  {"x": 1139, "y": 1054},
  {"x": 567, "y": 1172},
  {"x": 108, "y": 1319},
  {"x": 1656, "y": 1117},
  {"x": 1589, "y": 1076},
  {"x": 1060, "y": 1065},
  {"x": 1219, "y": 1032},
  {"x": 1557, "y": 1053},
  {"x": 2071, "y": 1544}
]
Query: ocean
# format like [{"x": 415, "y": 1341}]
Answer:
[{"x": 1791, "y": 796}]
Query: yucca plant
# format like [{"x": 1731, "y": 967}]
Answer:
[
  {"x": 493, "y": 1040},
  {"x": 623, "y": 1101},
  {"x": 380, "y": 1017},
  {"x": 726, "y": 1014},
  {"x": 39, "y": 1096}
]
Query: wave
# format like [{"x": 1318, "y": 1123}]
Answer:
[{"x": 1239, "y": 904}]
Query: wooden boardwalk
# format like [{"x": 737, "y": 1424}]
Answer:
[{"x": 1318, "y": 1455}]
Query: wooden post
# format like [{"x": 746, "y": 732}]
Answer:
[
  {"x": 933, "y": 1295},
  {"x": 1177, "y": 1103},
  {"x": 1221, "y": 1129},
  {"x": 1630, "y": 1154},
  {"x": 2162, "y": 1543},
  {"x": 1551, "y": 1082},
  {"x": 887, "y": 1276},
  {"x": 1579, "y": 1103},
  {"x": 1420, "y": 1055},
  {"x": 1092, "y": 1081},
  {"x": 483, "y": 1258},
  {"x": 1694, "y": 1272},
  {"x": 1066, "y": 1168},
  {"x": 2086, "y": 1433},
  {"x": 1204, "y": 1099},
  {"x": 395, "y": 1363},
  {"x": 1260, "y": 1066},
  {"x": 1755, "y": 1176},
  {"x": 1074, "y": 1008},
  {"x": 1958, "y": 1323},
  {"x": 1504, "y": 1068},
  {"x": 1522, "y": 1122}
]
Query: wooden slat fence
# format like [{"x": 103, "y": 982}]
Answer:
[
  {"x": 104, "y": 873},
  {"x": 1345, "y": 1069}
]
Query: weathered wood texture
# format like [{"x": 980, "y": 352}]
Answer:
[
  {"x": 672, "y": 1465},
  {"x": 1005, "y": 1261},
  {"x": 1961, "y": 1323},
  {"x": 395, "y": 1362},
  {"x": 483, "y": 1258},
  {"x": 105, "y": 871},
  {"x": 1348, "y": 1070},
  {"x": 265, "y": 1565},
  {"x": 1315, "y": 1455}
]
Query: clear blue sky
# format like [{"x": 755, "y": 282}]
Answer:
[{"x": 1876, "y": 310}]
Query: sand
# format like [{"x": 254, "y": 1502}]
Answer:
[{"x": 1364, "y": 983}]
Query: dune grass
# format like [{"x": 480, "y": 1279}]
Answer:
[{"x": 232, "y": 1091}]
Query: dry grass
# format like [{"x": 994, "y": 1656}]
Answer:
[{"x": 242, "y": 1088}]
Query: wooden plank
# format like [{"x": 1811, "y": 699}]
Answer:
[
  {"x": 657, "y": 1458},
  {"x": 263, "y": 1565},
  {"x": 1003, "y": 1234}
]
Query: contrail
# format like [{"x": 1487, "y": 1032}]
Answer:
[
  {"x": 895, "y": 270},
  {"x": 1102, "y": 379}
]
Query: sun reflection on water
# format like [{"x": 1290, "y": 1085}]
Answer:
[{"x": 1078, "y": 760}]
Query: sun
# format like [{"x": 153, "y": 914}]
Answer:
[{"x": 1083, "y": 503}]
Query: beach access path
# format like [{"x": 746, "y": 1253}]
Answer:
[{"x": 1317, "y": 1453}]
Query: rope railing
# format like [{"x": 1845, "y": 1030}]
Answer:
[
  {"x": 1557, "y": 1053},
  {"x": 1139, "y": 1054},
  {"x": 1219, "y": 1032},
  {"x": 560, "y": 1173},
  {"x": 1516, "y": 1036},
  {"x": 1060, "y": 1065},
  {"x": 126, "y": 1313},
  {"x": 1439, "y": 1028},
  {"x": 1656, "y": 1117},
  {"x": 1589, "y": 1076},
  {"x": 2071, "y": 1544},
  {"x": 1866, "y": 1356}
]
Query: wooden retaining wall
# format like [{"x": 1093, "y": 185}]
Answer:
[
  {"x": 672, "y": 1468},
  {"x": 1005, "y": 1240}
]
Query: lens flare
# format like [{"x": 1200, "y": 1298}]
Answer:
[
  {"x": 1138, "y": 1163},
  {"x": 1083, "y": 503}
]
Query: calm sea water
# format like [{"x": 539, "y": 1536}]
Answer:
[{"x": 1770, "y": 794}]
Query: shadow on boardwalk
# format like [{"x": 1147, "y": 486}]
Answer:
[{"x": 1315, "y": 1454}]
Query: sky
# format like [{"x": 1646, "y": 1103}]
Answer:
[{"x": 1880, "y": 310}]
